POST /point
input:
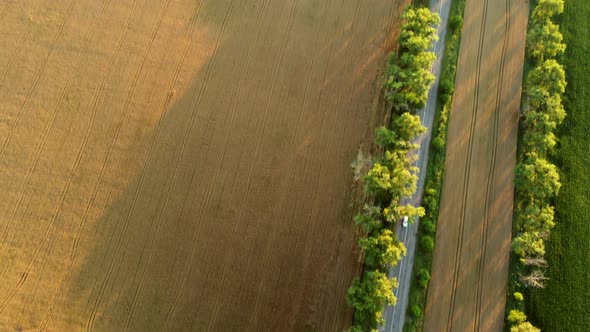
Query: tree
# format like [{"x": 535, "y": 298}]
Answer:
[
  {"x": 536, "y": 179},
  {"x": 545, "y": 41},
  {"x": 535, "y": 261},
  {"x": 382, "y": 249},
  {"x": 369, "y": 296},
  {"x": 524, "y": 327},
  {"x": 396, "y": 212},
  {"x": 528, "y": 244},
  {"x": 385, "y": 138},
  {"x": 546, "y": 9},
  {"x": 539, "y": 136},
  {"x": 356, "y": 328},
  {"x": 446, "y": 89},
  {"x": 550, "y": 75},
  {"x": 533, "y": 217},
  {"x": 414, "y": 42},
  {"x": 394, "y": 177},
  {"x": 407, "y": 126},
  {"x": 379, "y": 179},
  {"x": 408, "y": 81},
  {"x": 428, "y": 226},
  {"x": 423, "y": 278},
  {"x": 419, "y": 22},
  {"x": 553, "y": 107},
  {"x": 408, "y": 75},
  {"x": 456, "y": 22},
  {"x": 538, "y": 99},
  {"x": 427, "y": 243},
  {"x": 516, "y": 317},
  {"x": 369, "y": 218},
  {"x": 535, "y": 279}
]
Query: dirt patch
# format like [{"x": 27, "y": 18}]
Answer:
[
  {"x": 183, "y": 164},
  {"x": 467, "y": 291}
]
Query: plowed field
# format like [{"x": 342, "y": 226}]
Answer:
[
  {"x": 470, "y": 267},
  {"x": 183, "y": 165}
]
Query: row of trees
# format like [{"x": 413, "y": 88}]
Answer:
[
  {"x": 536, "y": 178},
  {"x": 393, "y": 177}
]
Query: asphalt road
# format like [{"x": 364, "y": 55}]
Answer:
[{"x": 395, "y": 315}]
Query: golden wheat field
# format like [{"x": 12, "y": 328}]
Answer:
[{"x": 183, "y": 165}]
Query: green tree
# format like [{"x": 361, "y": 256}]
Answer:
[
  {"x": 382, "y": 249},
  {"x": 356, "y": 328},
  {"x": 423, "y": 278},
  {"x": 528, "y": 244},
  {"x": 416, "y": 311},
  {"x": 429, "y": 226},
  {"x": 539, "y": 100},
  {"x": 420, "y": 21},
  {"x": 407, "y": 126},
  {"x": 533, "y": 217},
  {"x": 385, "y": 138},
  {"x": 379, "y": 179},
  {"x": 394, "y": 177},
  {"x": 427, "y": 243},
  {"x": 539, "y": 136},
  {"x": 536, "y": 179},
  {"x": 545, "y": 41},
  {"x": 408, "y": 75},
  {"x": 524, "y": 327},
  {"x": 369, "y": 296},
  {"x": 456, "y": 22},
  {"x": 396, "y": 211},
  {"x": 369, "y": 219},
  {"x": 546, "y": 9},
  {"x": 550, "y": 75},
  {"x": 516, "y": 317},
  {"x": 408, "y": 81}
]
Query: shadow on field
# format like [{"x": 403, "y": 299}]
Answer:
[{"x": 238, "y": 218}]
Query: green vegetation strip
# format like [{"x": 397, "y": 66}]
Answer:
[
  {"x": 434, "y": 175},
  {"x": 537, "y": 180},
  {"x": 392, "y": 178},
  {"x": 564, "y": 304}
]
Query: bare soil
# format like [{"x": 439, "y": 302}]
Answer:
[
  {"x": 470, "y": 268},
  {"x": 183, "y": 165}
]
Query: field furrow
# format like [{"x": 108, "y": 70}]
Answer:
[
  {"x": 476, "y": 203},
  {"x": 184, "y": 165}
]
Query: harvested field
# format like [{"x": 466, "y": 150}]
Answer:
[
  {"x": 183, "y": 165},
  {"x": 470, "y": 267}
]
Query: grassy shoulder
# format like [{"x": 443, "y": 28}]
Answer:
[
  {"x": 564, "y": 305},
  {"x": 434, "y": 175}
]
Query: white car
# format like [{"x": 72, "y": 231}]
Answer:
[{"x": 405, "y": 221}]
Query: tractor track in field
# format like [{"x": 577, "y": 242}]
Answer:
[
  {"x": 467, "y": 169},
  {"x": 160, "y": 174},
  {"x": 491, "y": 176},
  {"x": 483, "y": 142}
]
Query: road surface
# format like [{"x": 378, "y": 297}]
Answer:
[{"x": 395, "y": 315}]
